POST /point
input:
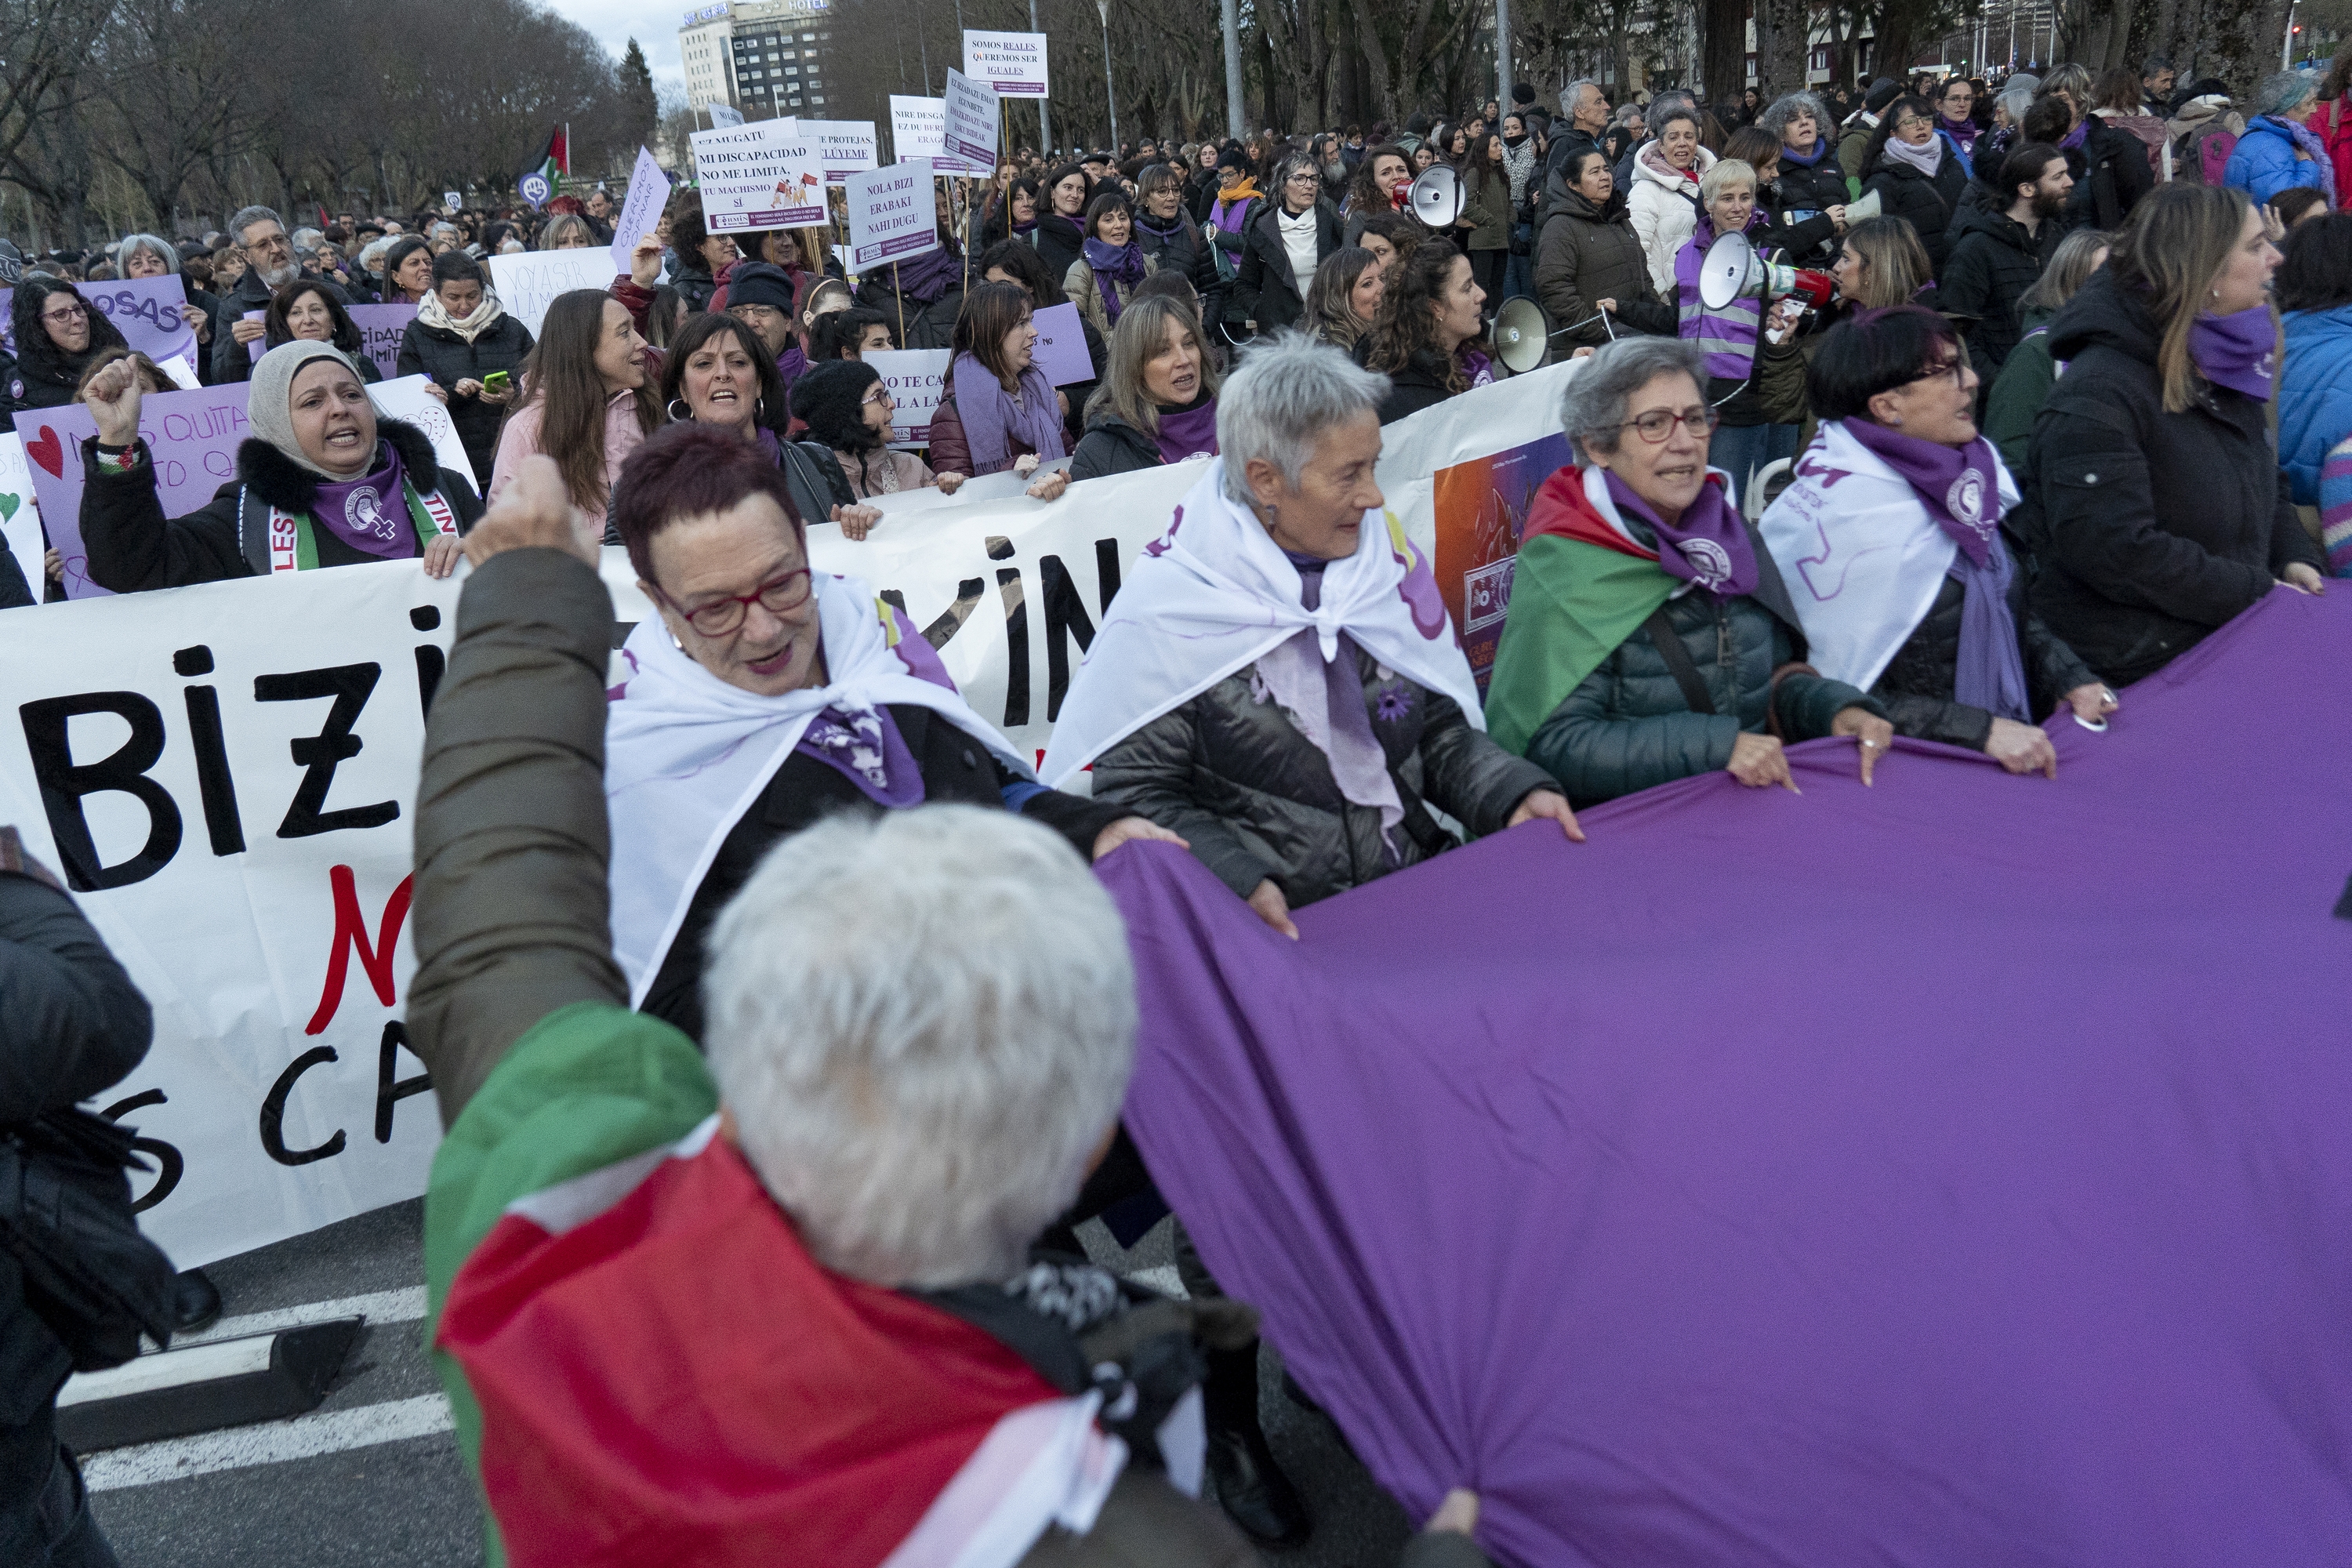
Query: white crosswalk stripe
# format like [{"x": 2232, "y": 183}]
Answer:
[
  {"x": 271, "y": 1443},
  {"x": 377, "y": 1306}
]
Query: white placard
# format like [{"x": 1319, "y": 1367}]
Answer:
[
  {"x": 529, "y": 282},
  {"x": 914, "y": 377},
  {"x": 450, "y": 199},
  {"x": 757, "y": 176},
  {"x": 971, "y": 121},
  {"x": 641, "y": 209},
  {"x": 409, "y": 400},
  {"x": 1006, "y": 62},
  {"x": 844, "y": 146},
  {"x": 918, "y": 128},
  {"x": 892, "y": 215},
  {"x": 722, "y": 115}
]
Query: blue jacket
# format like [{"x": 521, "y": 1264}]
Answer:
[
  {"x": 2314, "y": 395},
  {"x": 2262, "y": 164}
]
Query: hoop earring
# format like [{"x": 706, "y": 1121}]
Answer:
[{"x": 672, "y": 410}]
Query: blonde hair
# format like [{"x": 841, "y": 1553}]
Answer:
[
  {"x": 2176, "y": 242},
  {"x": 1134, "y": 342}
]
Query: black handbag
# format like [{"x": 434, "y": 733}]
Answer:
[{"x": 66, "y": 1217}]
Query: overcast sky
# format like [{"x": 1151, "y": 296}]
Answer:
[{"x": 615, "y": 22}]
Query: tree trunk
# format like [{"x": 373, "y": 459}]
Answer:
[{"x": 1723, "y": 49}]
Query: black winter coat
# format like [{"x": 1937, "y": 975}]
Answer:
[
  {"x": 1993, "y": 262},
  {"x": 1059, "y": 243},
  {"x": 1181, "y": 250},
  {"x": 1814, "y": 190},
  {"x": 231, "y": 359},
  {"x": 1257, "y": 801},
  {"x": 76, "y": 1026},
  {"x": 1420, "y": 384},
  {"x": 694, "y": 286},
  {"x": 1917, "y": 683},
  {"x": 1265, "y": 289},
  {"x": 1582, "y": 255},
  {"x": 133, "y": 546},
  {"x": 1627, "y": 725},
  {"x": 2113, "y": 175},
  {"x": 1931, "y": 204},
  {"x": 450, "y": 359},
  {"x": 2147, "y": 530},
  {"x": 956, "y": 769},
  {"x": 1112, "y": 446}
]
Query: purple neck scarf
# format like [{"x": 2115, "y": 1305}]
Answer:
[
  {"x": 2236, "y": 350},
  {"x": 1478, "y": 367},
  {"x": 1807, "y": 159},
  {"x": 1360, "y": 763},
  {"x": 2073, "y": 141},
  {"x": 371, "y": 514},
  {"x": 927, "y": 277},
  {"x": 2309, "y": 141},
  {"x": 863, "y": 744},
  {"x": 1961, "y": 491},
  {"x": 1189, "y": 432},
  {"x": 993, "y": 421},
  {"x": 1113, "y": 264},
  {"x": 1709, "y": 546},
  {"x": 789, "y": 366},
  {"x": 1025, "y": 228},
  {"x": 1963, "y": 131}
]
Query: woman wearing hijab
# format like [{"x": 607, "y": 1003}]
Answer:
[
  {"x": 2160, "y": 511},
  {"x": 998, "y": 410},
  {"x": 1890, "y": 541},
  {"x": 307, "y": 311},
  {"x": 762, "y": 698},
  {"x": 462, "y": 337},
  {"x": 57, "y": 334},
  {"x": 1650, "y": 636},
  {"x": 323, "y": 481},
  {"x": 1159, "y": 403},
  {"x": 1104, "y": 277}
]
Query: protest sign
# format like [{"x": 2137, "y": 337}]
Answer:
[
  {"x": 20, "y": 514},
  {"x": 843, "y": 146},
  {"x": 380, "y": 329},
  {"x": 917, "y": 127},
  {"x": 411, "y": 401},
  {"x": 970, "y": 130},
  {"x": 527, "y": 283},
  {"x": 146, "y": 311},
  {"x": 891, "y": 214},
  {"x": 722, "y": 114},
  {"x": 914, "y": 377},
  {"x": 1005, "y": 62},
  {"x": 1061, "y": 351},
  {"x": 641, "y": 209},
  {"x": 762, "y": 176},
  {"x": 451, "y": 201}
]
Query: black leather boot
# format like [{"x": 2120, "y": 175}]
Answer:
[
  {"x": 196, "y": 1302},
  {"x": 1255, "y": 1492}
]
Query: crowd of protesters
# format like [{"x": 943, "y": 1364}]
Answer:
[{"x": 2091, "y": 359}]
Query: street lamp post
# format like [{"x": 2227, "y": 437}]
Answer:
[
  {"x": 1109, "y": 92},
  {"x": 1045, "y": 115}
]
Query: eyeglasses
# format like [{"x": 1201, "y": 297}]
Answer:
[
  {"x": 1950, "y": 369},
  {"x": 777, "y": 596},
  {"x": 271, "y": 245},
  {"x": 1304, "y": 177},
  {"x": 1659, "y": 424},
  {"x": 66, "y": 317},
  {"x": 879, "y": 394}
]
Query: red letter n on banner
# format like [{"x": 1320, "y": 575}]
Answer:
[{"x": 351, "y": 931}]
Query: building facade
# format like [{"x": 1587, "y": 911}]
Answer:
[{"x": 767, "y": 58}]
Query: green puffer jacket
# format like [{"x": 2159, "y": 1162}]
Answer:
[
  {"x": 1627, "y": 727},
  {"x": 1257, "y": 801}
]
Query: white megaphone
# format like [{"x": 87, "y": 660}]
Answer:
[
  {"x": 1437, "y": 197},
  {"x": 1734, "y": 270},
  {"x": 1522, "y": 339},
  {"x": 1863, "y": 206}
]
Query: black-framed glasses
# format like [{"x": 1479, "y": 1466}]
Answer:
[
  {"x": 1659, "y": 424},
  {"x": 777, "y": 596},
  {"x": 1953, "y": 369}
]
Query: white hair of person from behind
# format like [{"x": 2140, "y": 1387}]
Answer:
[{"x": 923, "y": 1021}]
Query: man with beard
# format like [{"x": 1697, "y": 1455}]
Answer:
[
  {"x": 1998, "y": 255},
  {"x": 259, "y": 236}
]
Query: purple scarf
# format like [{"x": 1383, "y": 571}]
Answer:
[
  {"x": 1961, "y": 491},
  {"x": 1360, "y": 763},
  {"x": 1189, "y": 432},
  {"x": 1807, "y": 159},
  {"x": 2308, "y": 140},
  {"x": 1113, "y": 264},
  {"x": 1478, "y": 367},
  {"x": 1963, "y": 131},
  {"x": 927, "y": 277},
  {"x": 1710, "y": 546},
  {"x": 863, "y": 744},
  {"x": 992, "y": 421},
  {"x": 789, "y": 365},
  {"x": 371, "y": 514},
  {"x": 2073, "y": 141},
  {"x": 1025, "y": 228},
  {"x": 2237, "y": 351}
]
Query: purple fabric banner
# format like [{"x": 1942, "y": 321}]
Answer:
[{"x": 1955, "y": 1172}]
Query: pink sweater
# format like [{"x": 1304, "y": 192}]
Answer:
[{"x": 520, "y": 439}]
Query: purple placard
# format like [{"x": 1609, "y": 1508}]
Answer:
[
  {"x": 380, "y": 329},
  {"x": 7, "y": 321},
  {"x": 192, "y": 438},
  {"x": 146, "y": 311},
  {"x": 1061, "y": 351}
]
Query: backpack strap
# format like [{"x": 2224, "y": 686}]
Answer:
[{"x": 1679, "y": 664}]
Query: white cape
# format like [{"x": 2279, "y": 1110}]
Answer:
[
  {"x": 1215, "y": 593},
  {"x": 1863, "y": 559},
  {"x": 685, "y": 754}
]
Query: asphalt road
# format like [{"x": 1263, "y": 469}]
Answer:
[{"x": 372, "y": 1478}]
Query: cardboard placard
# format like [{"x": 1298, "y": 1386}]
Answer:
[
  {"x": 971, "y": 131},
  {"x": 527, "y": 283},
  {"x": 891, "y": 214},
  {"x": 915, "y": 378},
  {"x": 844, "y": 146},
  {"x": 759, "y": 177},
  {"x": 641, "y": 209},
  {"x": 1008, "y": 63}
]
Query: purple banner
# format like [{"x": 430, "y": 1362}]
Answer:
[
  {"x": 1948, "y": 1172},
  {"x": 193, "y": 436},
  {"x": 1061, "y": 351},
  {"x": 381, "y": 327},
  {"x": 146, "y": 311}
]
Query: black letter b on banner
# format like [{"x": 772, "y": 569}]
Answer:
[{"x": 63, "y": 783}]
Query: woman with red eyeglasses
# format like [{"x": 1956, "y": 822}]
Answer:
[{"x": 762, "y": 698}]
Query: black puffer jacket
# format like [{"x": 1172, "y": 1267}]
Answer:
[
  {"x": 1183, "y": 249},
  {"x": 1059, "y": 243},
  {"x": 1583, "y": 254},
  {"x": 1930, "y": 206},
  {"x": 134, "y": 547},
  {"x": 1112, "y": 446},
  {"x": 450, "y": 359},
  {"x": 1420, "y": 383},
  {"x": 231, "y": 359},
  {"x": 2148, "y": 529},
  {"x": 1627, "y": 726},
  {"x": 2112, "y": 176},
  {"x": 1257, "y": 801},
  {"x": 1917, "y": 683},
  {"x": 1993, "y": 262},
  {"x": 1812, "y": 237}
]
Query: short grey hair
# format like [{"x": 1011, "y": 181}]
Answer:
[
  {"x": 1573, "y": 94},
  {"x": 435, "y": 231},
  {"x": 308, "y": 240},
  {"x": 1592, "y": 409},
  {"x": 1667, "y": 108},
  {"x": 923, "y": 1021},
  {"x": 2014, "y": 101},
  {"x": 372, "y": 253},
  {"x": 247, "y": 216},
  {"x": 2283, "y": 92},
  {"x": 1289, "y": 390},
  {"x": 163, "y": 249},
  {"x": 1726, "y": 171},
  {"x": 1787, "y": 106}
]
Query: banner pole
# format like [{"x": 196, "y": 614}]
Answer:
[{"x": 902, "y": 304}]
